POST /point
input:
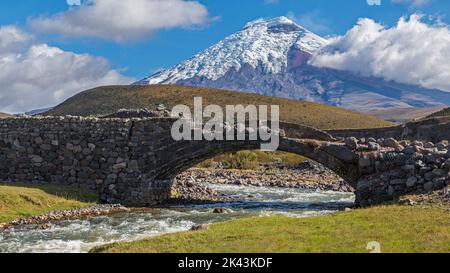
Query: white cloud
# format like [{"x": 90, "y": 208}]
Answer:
[
  {"x": 411, "y": 52},
  {"x": 412, "y": 3},
  {"x": 122, "y": 20},
  {"x": 12, "y": 39},
  {"x": 35, "y": 75}
]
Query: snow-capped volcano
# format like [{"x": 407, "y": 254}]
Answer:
[
  {"x": 264, "y": 43},
  {"x": 270, "y": 57}
]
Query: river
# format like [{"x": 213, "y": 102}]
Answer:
[{"x": 81, "y": 235}]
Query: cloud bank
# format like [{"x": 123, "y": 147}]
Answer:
[
  {"x": 35, "y": 75},
  {"x": 411, "y": 52},
  {"x": 122, "y": 20}
]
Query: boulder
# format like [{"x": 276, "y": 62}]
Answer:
[
  {"x": 364, "y": 162},
  {"x": 200, "y": 227},
  {"x": 431, "y": 158},
  {"x": 440, "y": 172},
  {"x": 441, "y": 146},
  {"x": 428, "y": 186},
  {"x": 411, "y": 181},
  {"x": 38, "y": 141},
  {"x": 404, "y": 143},
  {"x": 373, "y": 146},
  {"x": 409, "y": 150},
  {"x": 418, "y": 143},
  {"x": 429, "y": 176},
  {"x": 133, "y": 165},
  {"x": 36, "y": 159},
  {"x": 398, "y": 182},
  {"x": 391, "y": 143},
  {"x": 428, "y": 145},
  {"x": 219, "y": 210},
  {"x": 352, "y": 143},
  {"x": 446, "y": 165}
]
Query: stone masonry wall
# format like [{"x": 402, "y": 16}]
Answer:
[
  {"x": 104, "y": 155},
  {"x": 133, "y": 161},
  {"x": 394, "y": 168}
]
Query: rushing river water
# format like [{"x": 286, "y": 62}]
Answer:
[{"x": 83, "y": 234}]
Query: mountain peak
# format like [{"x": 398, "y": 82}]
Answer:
[
  {"x": 276, "y": 25},
  {"x": 270, "y": 57},
  {"x": 262, "y": 44}
]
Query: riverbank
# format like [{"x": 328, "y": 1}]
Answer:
[
  {"x": 37, "y": 205},
  {"x": 404, "y": 229},
  {"x": 81, "y": 235},
  {"x": 190, "y": 186},
  {"x": 44, "y": 221},
  {"x": 27, "y": 200},
  {"x": 312, "y": 179}
]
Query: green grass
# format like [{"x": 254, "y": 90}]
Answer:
[
  {"x": 443, "y": 113},
  {"x": 397, "y": 228},
  {"x": 250, "y": 160},
  {"x": 106, "y": 100},
  {"x": 25, "y": 200}
]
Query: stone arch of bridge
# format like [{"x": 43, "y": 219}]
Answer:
[{"x": 336, "y": 157}]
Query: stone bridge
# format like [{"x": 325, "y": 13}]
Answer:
[{"x": 134, "y": 161}]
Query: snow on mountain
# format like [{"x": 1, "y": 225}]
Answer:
[
  {"x": 261, "y": 42},
  {"x": 270, "y": 57}
]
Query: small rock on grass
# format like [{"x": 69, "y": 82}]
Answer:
[{"x": 200, "y": 227}]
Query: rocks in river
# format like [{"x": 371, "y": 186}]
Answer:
[
  {"x": 219, "y": 210},
  {"x": 190, "y": 188},
  {"x": 43, "y": 221},
  {"x": 307, "y": 175}
]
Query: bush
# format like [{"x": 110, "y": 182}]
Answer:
[
  {"x": 243, "y": 160},
  {"x": 250, "y": 160}
]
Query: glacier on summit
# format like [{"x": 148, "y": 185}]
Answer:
[
  {"x": 271, "y": 57},
  {"x": 264, "y": 43}
]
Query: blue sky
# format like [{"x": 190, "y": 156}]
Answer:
[
  {"x": 50, "y": 50},
  {"x": 168, "y": 47}
]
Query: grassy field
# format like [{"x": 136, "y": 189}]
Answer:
[
  {"x": 25, "y": 200},
  {"x": 251, "y": 160},
  {"x": 106, "y": 100},
  {"x": 396, "y": 228}
]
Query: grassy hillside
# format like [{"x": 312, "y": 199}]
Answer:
[
  {"x": 4, "y": 115},
  {"x": 25, "y": 200},
  {"x": 403, "y": 115},
  {"x": 396, "y": 228},
  {"x": 106, "y": 100},
  {"x": 443, "y": 113}
]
